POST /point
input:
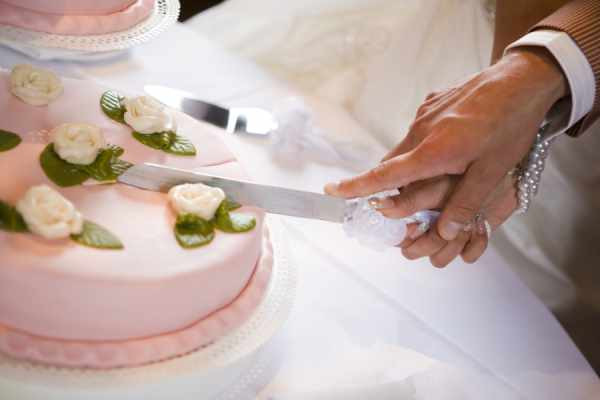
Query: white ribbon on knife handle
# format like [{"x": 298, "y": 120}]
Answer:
[
  {"x": 298, "y": 135},
  {"x": 372, "y": 229}
]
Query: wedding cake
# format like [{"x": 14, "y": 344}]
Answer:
[
  {"x": 73, "y": 17},
  {"x": 98, "y": 274}
]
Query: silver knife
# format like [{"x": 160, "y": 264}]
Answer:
[
  {"x": 234, "y": 120},
  {"x": 273, "y": 199}
]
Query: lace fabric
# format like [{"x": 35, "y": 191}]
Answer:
[{"x": 349, "y": 51}]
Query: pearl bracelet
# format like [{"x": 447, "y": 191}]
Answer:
[{"x": 529, "y": 172}]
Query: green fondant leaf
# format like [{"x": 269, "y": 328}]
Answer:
[
  {"x": 8, "y": 140},
  {"x": 59, "y": 171},
  {"x": 192, "y": 231},
  {"x": 111, "y": 104},
  {"x": 235, "y": 223},
  {"x": 227, "y": 205},
  {"x": 107, "y": 166},
  {"x": 94, "y": 235},
  {"x": 181, "y": 146},
  {"x": 10, "y": 219},
  {"x": 169, "y": 142}
]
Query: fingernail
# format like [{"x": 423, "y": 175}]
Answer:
[
  {"x": 450, "y": 230},
  {"x": 417, "y": 233},
  {"x": 407, "y": 253},
  {"x": 374, "y": 202},
  {"x": 481, "y": 229},
  {"x": 380, "y": 203},
  {"x": 332, "y": 188},
  {"x": 488, "y": 229},
  {"x": 405, "y": 243},
  {"x": 420, "y": 231}
]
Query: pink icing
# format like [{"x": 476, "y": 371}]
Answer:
[
  {"x": 72, "y": 7},
  {"x": 66, "y": 291},
  {"x": 64, "y": 18},
  {"x": 135, "y": 352}
]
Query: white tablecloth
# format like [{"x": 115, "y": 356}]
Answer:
[{"x": 362, "y": 316}]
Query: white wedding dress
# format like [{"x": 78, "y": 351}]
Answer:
[{"x": 379, "y": 59}]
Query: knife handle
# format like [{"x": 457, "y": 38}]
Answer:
[{"x": 373, "y": 229}]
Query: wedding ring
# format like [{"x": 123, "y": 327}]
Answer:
[
  {"x": 482, "y": 225},
  {"x": 374, "y": 202},
  {"x": 488, "y": 228}
]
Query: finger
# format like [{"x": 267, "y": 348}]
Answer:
[
  {"x": 438, "y": 98},
  {"x": 434, "y": 103},
  {"x": 432, "y": 96},
  {"x": 434, "y": 100},
  {"x": 397, "y": 172},
  {"x": 503, "y": 204},
  {"x": 412, "y": 234},
  {"x": 475, "y": 247},
  {"x": 449, "y": 252},
  {"x": 425, "y": 246},
  {"x": 410, "y": 142},
  {"x": 418, "y": 196},
  {"x": 497, "y": 211},
  {"x": 468, "y": 198}
]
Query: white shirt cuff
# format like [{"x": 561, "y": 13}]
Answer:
[{"x": 575, "y": 66}]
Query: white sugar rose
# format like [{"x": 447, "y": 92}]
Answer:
[
  {"x": 146, "y": 115},
  {"x": 77, "y": 143},
  {"x": 35, "y": 86},
  {"x": 49, "y": 214},
  {"x": 197, "y": 199}
]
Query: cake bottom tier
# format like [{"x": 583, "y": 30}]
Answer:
[{"x": 113, "y": 354}]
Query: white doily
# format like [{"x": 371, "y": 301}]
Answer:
[
  {"x": 215, "y": 371},
  {"x": 51, "y": 46}
]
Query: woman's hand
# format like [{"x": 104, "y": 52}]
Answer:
[
  {"x": 432, "y": 194},
  {"x": 474, "y": 133}
]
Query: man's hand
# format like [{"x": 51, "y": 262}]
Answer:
[{"x": 476, "y": 133}]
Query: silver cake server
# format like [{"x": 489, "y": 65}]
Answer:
[
  {"x": 234, "y": 120},
  {"x": 273, "y": 199}
]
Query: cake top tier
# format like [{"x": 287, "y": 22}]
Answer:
[
  {"x": 72, "y": 7},
  {"x": 75, "y": 18}
]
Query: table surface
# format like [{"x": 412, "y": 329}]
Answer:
[{"x": 356, "y": 306}]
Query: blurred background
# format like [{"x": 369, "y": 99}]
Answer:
[{"x": 189, "y": 8}]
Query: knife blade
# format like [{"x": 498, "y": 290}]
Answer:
[
  {"x": 250, "y": 120},
  {"x": 272, "y": 199}
]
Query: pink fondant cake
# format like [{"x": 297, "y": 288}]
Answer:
[
  {"x": 73, "y": 17},
  {"x": 68, "y": 304}
]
